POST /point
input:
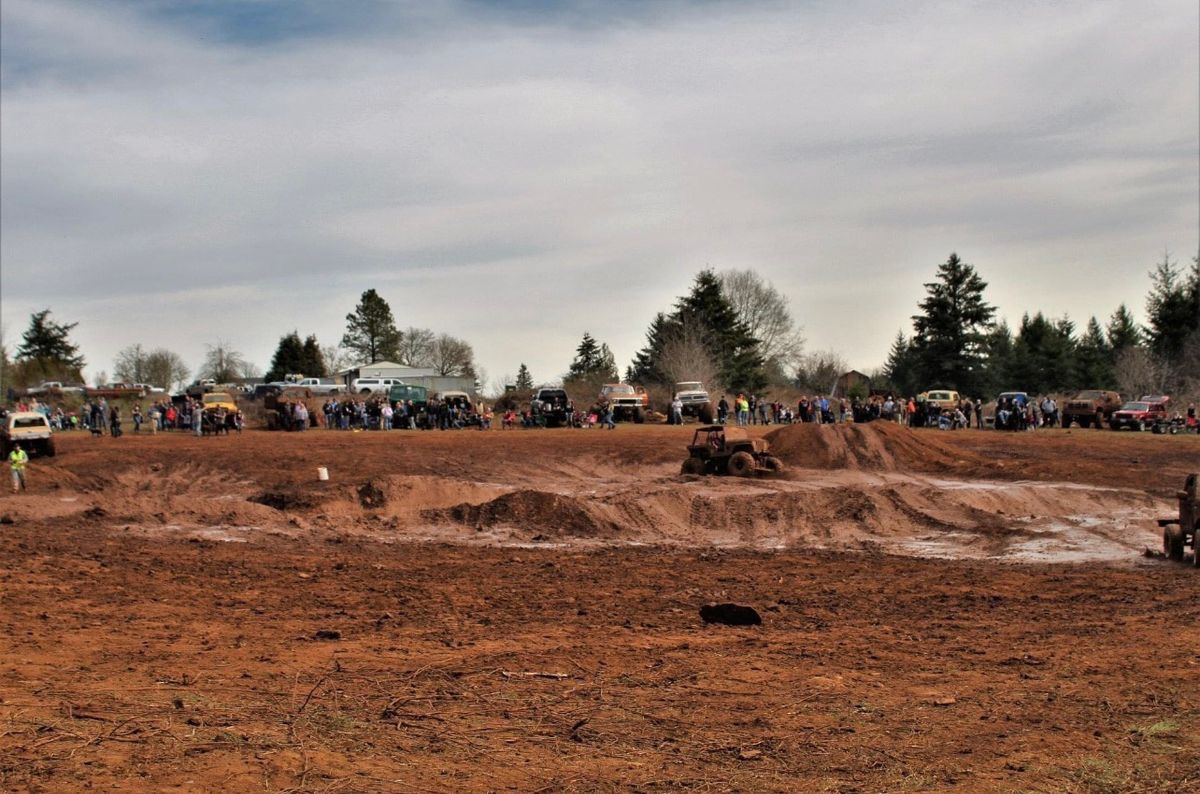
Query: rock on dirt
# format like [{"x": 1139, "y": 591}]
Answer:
[{"x": 730, "y": 615}]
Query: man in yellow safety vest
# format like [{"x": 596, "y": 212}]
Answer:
[{"x": 17, "y": 460}]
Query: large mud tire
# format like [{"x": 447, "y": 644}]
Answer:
[
  {"x": 706, "y": 414},
  {"x": 692, "y": 466},
  {"x": 639, "y": 416},
  {"x": 772, "y": 465},
  {"x": 741, "y": 464},
  {"x": 48, "y": 448},
  {"x": 1173, "y": 543}
]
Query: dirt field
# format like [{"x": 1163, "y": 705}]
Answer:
[{"x": 518, "y": 610}]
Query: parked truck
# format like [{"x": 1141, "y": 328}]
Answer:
[{"x": 1091, "y": 408}]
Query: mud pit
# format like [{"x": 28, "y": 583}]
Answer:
[{"x": 519, "y": 610}]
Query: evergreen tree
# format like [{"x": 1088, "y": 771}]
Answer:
[
  {"x": 1172, "y": 311},
  {"x": 1001, "y": 357},
  {"x": 1044, "y": 355},
  {"x": 645, "y": 367},
  {"x": 1093, "y": 359},
  {"x": 950, "y": 332},
  {"x": 288, "y": 358},
  {"x": 1123, "y": 332},
  {"x": 312, "y": 360},
  {"x": 724, "y": 335},
  {"x": 593, "y": 363},
  {"x": 49, "y": 342},
  {"x": 899, "y": 367},
  {"x": 524, "y": 379},
  {"x": 371, "y": 330}
]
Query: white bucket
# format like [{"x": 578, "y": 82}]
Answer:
[{"x": 322, "y": 473}]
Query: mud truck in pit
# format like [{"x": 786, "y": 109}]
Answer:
[{"x": 1090, "y": 408}]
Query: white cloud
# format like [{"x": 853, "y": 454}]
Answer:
[{"x": 516, "y": 181}]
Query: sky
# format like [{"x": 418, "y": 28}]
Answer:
[{"x": 180, "y": 173}]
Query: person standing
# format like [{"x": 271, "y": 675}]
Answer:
[
  {"x": 198, "y": 419},
  {"x": 16, "y": 461},
  {"x": 676, "y": 411}
]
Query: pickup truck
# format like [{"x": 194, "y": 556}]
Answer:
[
  {"x": 115, "y": 390},
  {"x": 1092, "y": 407},
  {"x": 31, "y": 430},
  {"x": 696, "y": 401},
  {"x": 314, "y": 385},
  {"x": 54, "y": 387}
]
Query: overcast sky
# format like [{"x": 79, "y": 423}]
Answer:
[{"x": 174, "y": 173}]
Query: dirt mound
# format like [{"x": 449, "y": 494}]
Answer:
[
  {"x": 877, "y": 446},
  {"x": 532, "y": 512}
]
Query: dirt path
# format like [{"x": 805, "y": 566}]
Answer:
[{"x": 545, "y": 649}]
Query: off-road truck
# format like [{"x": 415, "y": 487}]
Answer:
[
  {"x": 627, "y": 402},
  {"x": 31, "y": 430},
  {"x": 552, "y": 407},
  {"x": 696, "y": 401},
  {"x": 716, "y": 449},
  {"x": 1090, "y": 408}
]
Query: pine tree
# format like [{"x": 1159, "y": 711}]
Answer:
[
  {"x": 593, "y": 363},
  {"x": 1001, "y": 358},
  {"x": 49, "y": 342},
  {"x": 1122, "y": 331},
  {"x": 1171, "y": 311},
  {"x": 644, "y": 368},
  {"x": 1044, "y": 355},
  {"x": 312, "y": 361},
  {"x": 950, "y": 332},
  {"x": 899, "y": 366},
  {"x": 371, "y": 330},
  {"x": 288, "y": 358},
  {"x": 1093, "y": 359},
  {"x": 524, "y": 379},
  {"x": 725, "y": 337}
]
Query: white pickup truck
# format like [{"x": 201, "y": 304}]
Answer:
[
  {"x": 54, "y": 387},
  {"x": 314, "y": 385}
]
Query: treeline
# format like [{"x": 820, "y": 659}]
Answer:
[
  {"x": 956, "y": 344},
  {"x": 46, "y": 353}
]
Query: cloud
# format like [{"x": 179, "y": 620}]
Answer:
[{"x": 516, "y": 174}]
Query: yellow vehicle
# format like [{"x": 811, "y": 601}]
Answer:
[
  {"x": 942, "y": 399},
  {"x": 31, "y": 430},
  {"x": 216, "y": 400}
]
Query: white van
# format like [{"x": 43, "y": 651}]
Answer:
[{"x": 374, "y": 385}]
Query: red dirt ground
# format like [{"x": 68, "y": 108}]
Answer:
[{"x": 519, "y": 611}]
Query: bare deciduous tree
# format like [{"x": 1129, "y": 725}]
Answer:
[
  {"x": 337, "y": 358},
  {"x": 452, "y": 356},
  {"x": 818, "y": 372},
  {"x": 1139, "y": 373},
  {"x": 765, "y": 311},
  {"x": 158, "y": 367},
  {"x": 685, "y": 357},
  {"x": 416, "y": 347},
  {"x": 223, "y": 364}
]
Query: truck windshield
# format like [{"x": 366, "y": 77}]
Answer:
[{"x": 24, "y": 423}]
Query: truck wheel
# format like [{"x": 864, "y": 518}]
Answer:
[
  {"x": 48, "y": 448},
  {"x": 639, "y": 417},
  {"x": 741, "y": 464},
  {"x": 705, "y": 414},
  {"x": 1113, "y": 426},
  {"x": 692, "y": 466},
  {"x": 1099, "y": 421},
  {"x": 773, "y": 464},
  {"x": 1173, "y": 543}
]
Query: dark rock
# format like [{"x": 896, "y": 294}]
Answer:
[
  {"x": 328, "y": 634},
  {"x": 730, "y": 615}
]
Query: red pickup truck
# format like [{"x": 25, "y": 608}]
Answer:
[{"x": 1138, "y": 414}]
